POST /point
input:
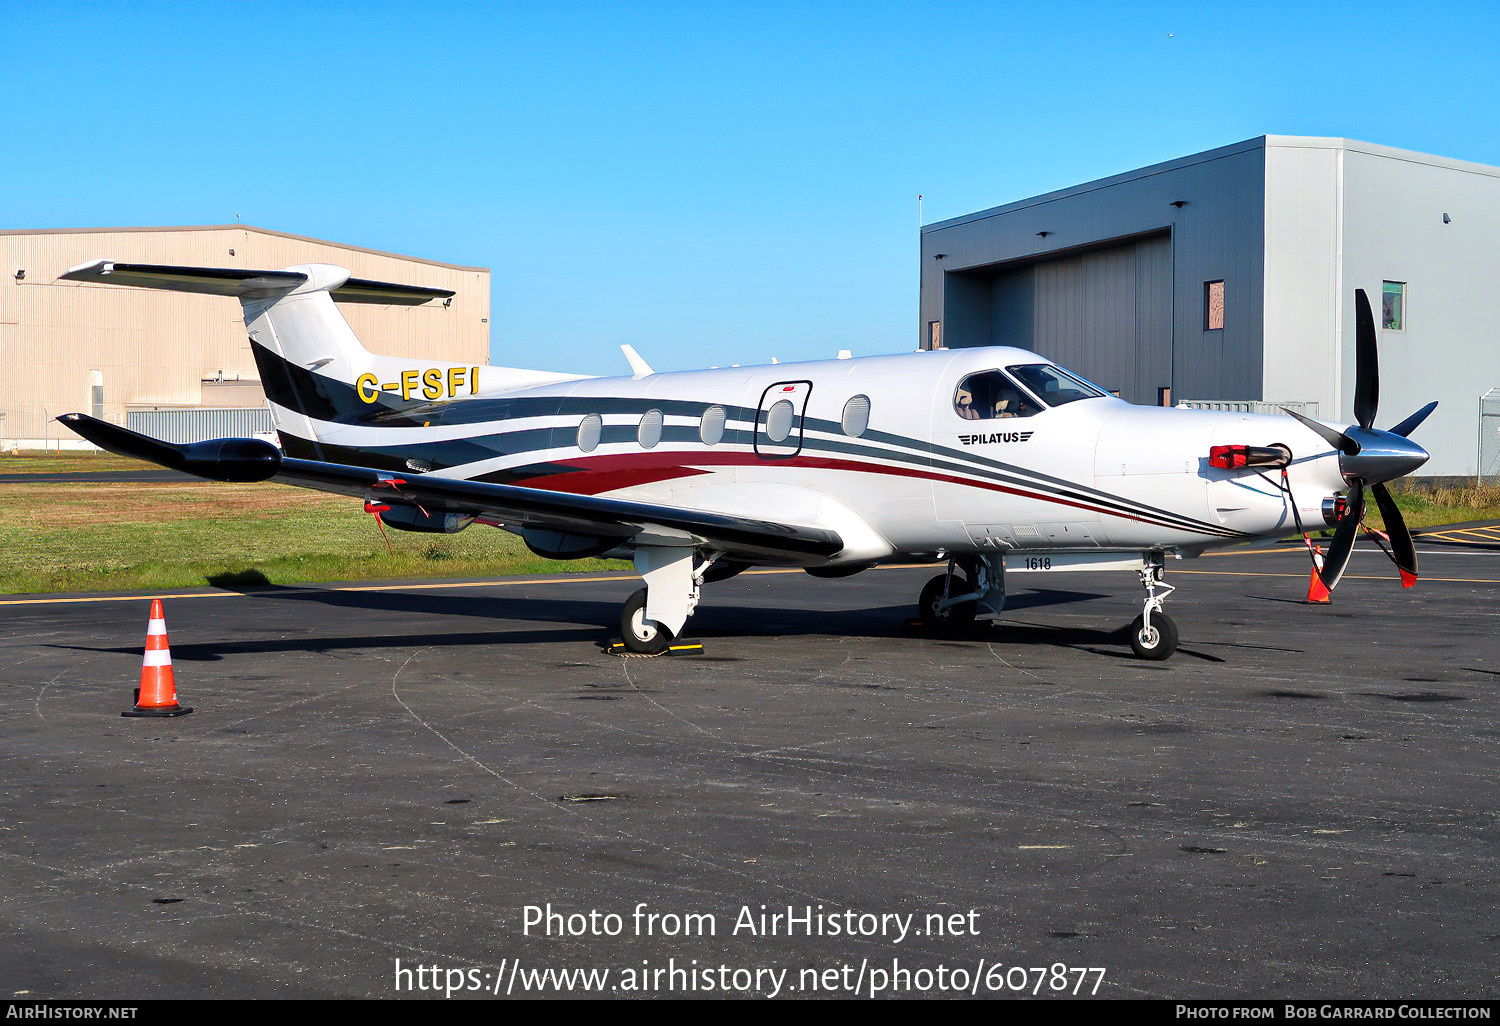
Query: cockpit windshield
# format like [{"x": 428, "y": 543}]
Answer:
[{"x": 1053, "y": 385}]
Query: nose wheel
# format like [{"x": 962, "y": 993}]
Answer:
[{"x": 1156, "y": 640}]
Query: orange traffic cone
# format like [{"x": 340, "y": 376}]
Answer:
[
  {"x": 1317, "y": 593},
  {"x": 157, "y": 695}
]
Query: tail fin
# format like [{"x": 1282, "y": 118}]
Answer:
[{"x": 314, "y": 370}]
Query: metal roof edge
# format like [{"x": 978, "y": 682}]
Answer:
[
  {"x": 1377, "y": 150},
  {"x": 1219, "y": 153},
  {"x": 241, "y": 227}
]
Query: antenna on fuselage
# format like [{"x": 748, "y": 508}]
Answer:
[{"x": 638, "y": 367}]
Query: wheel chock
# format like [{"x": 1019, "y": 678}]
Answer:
[{"x": 676, "y": 648}]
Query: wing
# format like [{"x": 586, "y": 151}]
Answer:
[{"x": 250, "y": 459}]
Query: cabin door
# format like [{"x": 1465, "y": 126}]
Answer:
[{"x": 778, "y": 422}]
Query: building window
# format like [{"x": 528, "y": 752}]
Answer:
[
  {"x": 1393, "y": 306},
  {"x": 1213, "y": 306}
]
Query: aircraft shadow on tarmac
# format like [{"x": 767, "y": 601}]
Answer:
[{"x": 734, "y": 619}]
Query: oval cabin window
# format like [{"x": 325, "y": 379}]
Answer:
[
  {"x": 649, "y": 432},
  {"x": 779, "y": 420},
  {"x": 856, "y": 416},
  {"x": 589, "y": 432},
  {"x": 711, "y": 428}
]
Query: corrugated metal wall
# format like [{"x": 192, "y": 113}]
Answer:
[
  {"x": 156, "y": 348},
  {"x": 197, "y": 425},
  {"x": 1108, "y": 315},
  {"x": 1105, "y": 313},
  {"x": 1125, "y": 312}
]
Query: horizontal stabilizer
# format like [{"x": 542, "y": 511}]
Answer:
[
  {"x": 213, "y": 281},
  {"x": 360, "y": 290},
  {"x": 234, "y": 281}
]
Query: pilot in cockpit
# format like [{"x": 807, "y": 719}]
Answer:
[
  {"x": 1007, "y": 402},
  {"x": 963, "y": 402}
]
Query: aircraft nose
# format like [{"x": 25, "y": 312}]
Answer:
[{"x": 1382, "y": 456}]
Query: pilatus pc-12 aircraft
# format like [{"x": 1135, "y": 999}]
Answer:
[{"x": 993, "y": 459}]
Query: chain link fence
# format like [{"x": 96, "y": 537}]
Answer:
[{"x": 1489, "y": 437}]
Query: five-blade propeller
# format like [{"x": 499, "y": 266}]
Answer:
[{"x": 1368, "y": 457}]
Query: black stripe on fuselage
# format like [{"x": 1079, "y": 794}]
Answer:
[
  {"x": 327, "y": 399},
  {"x": 444, "y": 454}
]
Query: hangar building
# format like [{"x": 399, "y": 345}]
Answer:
[
  {"x": 177, "y": 365},
  {"x": 1227, "y": 279}
]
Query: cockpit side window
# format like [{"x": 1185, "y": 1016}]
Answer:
[{"x": 990, "y": 395}]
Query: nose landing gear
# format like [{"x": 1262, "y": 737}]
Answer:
[{"x": 1153, "y": 634}]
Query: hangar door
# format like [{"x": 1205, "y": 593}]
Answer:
[{"x": 1106, "y": 313}]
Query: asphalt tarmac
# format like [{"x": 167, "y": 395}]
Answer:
[{"x": 1302, "y": 803}]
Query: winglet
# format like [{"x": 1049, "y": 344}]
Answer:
[{"x": 638, "y": 366}]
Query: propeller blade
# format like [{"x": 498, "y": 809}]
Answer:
[
  {"x": 1402, "y": 549},
  {"x": 1343, "y": 538},
  {"x": 1410, "y": 424},
  {"x": 1332, "y": 435},
  {"x": 1366, "y": 362}
]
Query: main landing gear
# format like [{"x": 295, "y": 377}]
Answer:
[
  {"x": 651, "y": 618},
  {"x": 973, "y": 588}
]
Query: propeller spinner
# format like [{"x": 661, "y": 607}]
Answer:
[{"x": 1368, "y": 457}]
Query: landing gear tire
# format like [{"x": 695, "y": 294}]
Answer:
[
  {"x": 1159, "y": 642},
  {"x": 640, "y": 635},
  {"x": 952, "y": 618}
]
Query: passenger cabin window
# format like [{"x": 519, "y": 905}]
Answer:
[
  {"x": 649, "y": 432},
  {"x": 990, "y": 395},
  {"x": 780, "y": 420},
  {"x": 856, "y": 416},
  {"x": 1053, "y": 385},
  {"x": 711, "y": 427},
  {"x": 590, "y": 429}
]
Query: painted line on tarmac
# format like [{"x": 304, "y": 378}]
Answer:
[
  {"x": 1346, "y": 577},
  {"x": 499, "y": 582},
  {"x": 624, "y": 575}
]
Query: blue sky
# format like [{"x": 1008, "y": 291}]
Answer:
[{"x": 712, "y": 183}]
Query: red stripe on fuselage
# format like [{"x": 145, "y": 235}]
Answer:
[{"x": 595, "y": 475}]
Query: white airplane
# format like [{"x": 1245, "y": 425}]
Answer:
[{"x": 993, "y": 459}]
